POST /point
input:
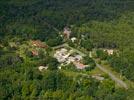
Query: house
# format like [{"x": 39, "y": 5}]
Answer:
[
  {"x": 61, "y": 55},
  {"x": 73, "y": 59},
  {"x": 70, "y": 59},
  {"x": 67, "y": 32},
  {"x": 39, "y": 44},
  {"x": 42, "y": 67},
  {"x": 109, "y": 51},
  {"x": 79, "y": 65},
  {"x": 73, "y": 39}
]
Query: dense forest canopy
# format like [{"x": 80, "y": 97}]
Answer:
[
  {"x": 36, "y": 16},
  {"x": 104, "y": 23}
]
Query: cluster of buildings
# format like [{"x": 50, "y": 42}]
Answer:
[{"x": 65, "y": 56}]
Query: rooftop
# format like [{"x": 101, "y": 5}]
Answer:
[
  {"x": 79, "y": 65},
  {"x": 42, "y": 67},
  {"x": 38, "y": 43}
]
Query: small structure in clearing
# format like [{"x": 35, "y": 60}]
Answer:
[
  {"x": 73, "y": 39},
  {"x": 42, "y": 67},
  {"x": 109, "y": 51}
]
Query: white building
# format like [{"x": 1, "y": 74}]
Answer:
[
  {"x": 62, "y": 55},
  {"x": 70, "y": 59},
  {"x": 80, "y": 65},
  {"x": 109, "y": 51},
  {"x": 73, "y": 39},
  {"x": 42, "y": 67},
  {"x": 78, "y": 57}
]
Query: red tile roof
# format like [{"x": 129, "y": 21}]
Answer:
[
  {"x": 39, "y": 44},
  {"x": 79, "y": 65}
]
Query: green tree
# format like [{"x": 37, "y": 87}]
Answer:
[{"x": 53, "y": 64}]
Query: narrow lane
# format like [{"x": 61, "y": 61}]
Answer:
[{"x": 113, "y": 77}]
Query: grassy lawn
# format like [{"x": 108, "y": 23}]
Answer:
[
  {"x": 70, "y": 73},
  {"x": 23, "y": 2},
  {"x": 96, "y": 71}
]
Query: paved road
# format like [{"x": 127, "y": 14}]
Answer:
[
  {"x": 60, "y": 46},
  {"x": 79, "y": 52},
  {"x": 113, "y": 77}
]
